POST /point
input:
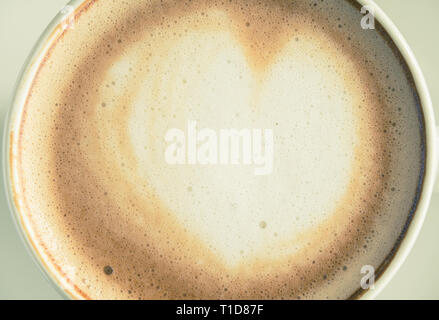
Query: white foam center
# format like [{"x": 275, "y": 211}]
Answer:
[{"x": 305, "y": 103}]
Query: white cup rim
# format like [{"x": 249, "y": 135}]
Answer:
[
  {"x": 54, "y": 30},
  {"x": 418, "y": 218}
]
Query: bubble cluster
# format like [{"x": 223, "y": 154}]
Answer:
[{"x": 113, "y": 220}]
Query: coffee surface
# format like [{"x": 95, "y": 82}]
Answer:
[{"x": 111, "y": 218}]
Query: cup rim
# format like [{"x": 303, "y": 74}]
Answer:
[
  {"x": 426, "y": 105},
  {"x": 54, "y": 30},
  {"x": 22, "y": 86}
]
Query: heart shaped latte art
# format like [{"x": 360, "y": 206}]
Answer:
[
  {"x": 207, "y": 75},
  {"x": 112, "y": 217}
]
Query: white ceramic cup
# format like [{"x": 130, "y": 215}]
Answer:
[{"x": 66, "y": 17}]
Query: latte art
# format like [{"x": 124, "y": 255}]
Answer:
[{"x": 112, "y": 218}]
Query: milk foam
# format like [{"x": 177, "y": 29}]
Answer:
[{"x": 96, "y": 192}]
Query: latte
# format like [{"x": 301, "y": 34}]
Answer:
[{"x": 111, "y": 218}]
